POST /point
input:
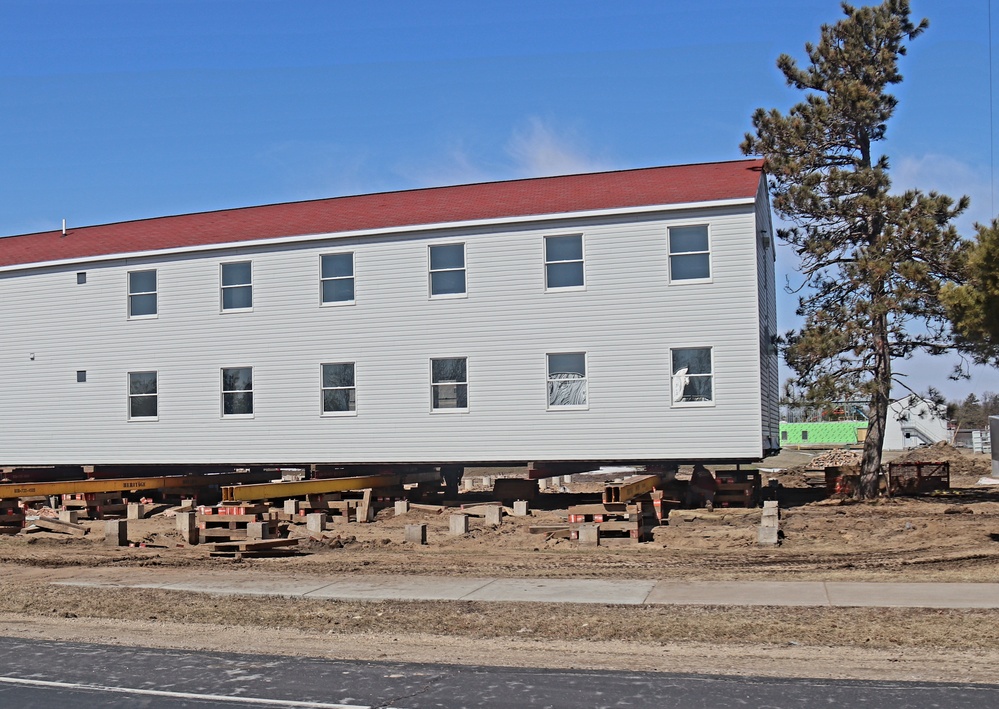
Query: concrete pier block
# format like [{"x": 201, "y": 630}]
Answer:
[
  {"x": 520, "y": 508},
  {"x": 566, "y": 479},
  {"x": 458, "y": 524},
  {"x": 291, "y": 507},
  {"x": 467, "y": 484},
  {"x": 71, "y": 516},
  {"x": 768, "y": 536},
  {"x": 401, "y": 507},
  {"x": 258, "y": 530},
  {"x": 589, "y": 535},
  {"x": 187, "y": 525},
  {"x": 136, "y": 510},
  {"x": 116, "y": 532},
  {"x": 494, "y": 515},
  {"x": 416, "y": 533},
  {"x": 315, "y": 523}
]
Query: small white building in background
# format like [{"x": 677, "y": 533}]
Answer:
[
  {"x": 913, "y": 422},
  {"x": 623, "y": 316}
]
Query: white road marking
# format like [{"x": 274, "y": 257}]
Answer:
[{"x": 181, "y": 695}]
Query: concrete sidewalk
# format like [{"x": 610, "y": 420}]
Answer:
[{"x": 618, "y": 591}]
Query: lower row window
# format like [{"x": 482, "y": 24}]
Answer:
[
  {"x": 339, "y": 393},
  {"x": 691, "y": 384},
  {"x": 142, "y": 395},
  {"x": 567, "y": 380},
  {"x": 692, "y": 375},
  {"x": 449, "y": 383},
  {"x": 237, "y": 391}
]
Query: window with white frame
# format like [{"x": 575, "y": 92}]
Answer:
[
  {"x": 336, "y": 278},
  {"x": 142, "y": 294},
  {"x": 689, "y": 253},
  {"x": 447, "y": 270},
  {"x": 142, "y": 395},
  {"x": 449, "y": 384},
  {"x": 338, "y": 390},
  {"x": 564, "y": 261},
  {"x": 567, "y": 380},
  {"x": 237, "y": 286},
  {"x": 692, "y": 375},
  {"x": 237, "y": 391}
]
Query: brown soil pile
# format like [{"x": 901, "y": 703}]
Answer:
[{"x": 965, "y": 468}]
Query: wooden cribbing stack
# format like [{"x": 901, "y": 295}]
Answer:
[
  {"x": 627, "y": 511},
  {"x": 11, "y": 517},
  {"x": 243, "y": 529},
  {"x": 96, "y": 505},
  {"x": 737, "y": 488}
]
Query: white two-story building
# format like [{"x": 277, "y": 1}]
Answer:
[{"x": 621, "y": 316}]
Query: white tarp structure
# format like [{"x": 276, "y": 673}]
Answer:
[{"x": 913, "y": 422}]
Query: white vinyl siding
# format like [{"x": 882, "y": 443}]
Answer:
[{"x": 627, "y": 321}]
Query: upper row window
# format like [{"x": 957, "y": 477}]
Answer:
[
  {"x": 447, "y": 270},
  {"x": 689, "y": 253},
  {"x": 336, "y": 278},
  {"x": 564, "y": 261},
  {"x": 237, "y": 286},
  {"x": 689, "y": 260},
  {"x": 142, "y": 294}
]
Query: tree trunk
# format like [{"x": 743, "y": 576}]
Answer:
[{"x": 870, "y": 464}]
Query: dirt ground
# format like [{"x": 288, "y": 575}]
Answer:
[{"x": 948, "y": 536}]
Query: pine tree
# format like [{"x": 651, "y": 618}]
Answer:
[
  {"x": 873, "y": 262},
  {"x": 973, "y": 306}
]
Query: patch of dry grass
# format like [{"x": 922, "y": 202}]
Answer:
[{"x": 864, "y": 627}]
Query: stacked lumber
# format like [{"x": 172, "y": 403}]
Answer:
[
  {"x": 50, "y": 524},
  {"x": 253, "y": 548},
  {"x": 96, "y": 505}
]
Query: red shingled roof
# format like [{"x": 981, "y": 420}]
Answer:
[{"x": 492, "y": 200}]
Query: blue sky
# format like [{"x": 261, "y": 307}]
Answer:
[{"x": 124, "y": 109}]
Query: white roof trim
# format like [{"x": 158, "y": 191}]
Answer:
[{"x": 372, "y": 232}]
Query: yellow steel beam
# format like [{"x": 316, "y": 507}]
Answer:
[
  {"x": 76, "y": 487},
  {"x": 635, "y": 486},
  {"x": 291, "y": 489}
]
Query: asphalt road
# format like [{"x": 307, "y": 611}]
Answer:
[{"x": 84, "y": 676}]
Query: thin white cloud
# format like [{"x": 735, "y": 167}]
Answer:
[
  {"x": 539, "y": 148},
  {"x": 951, "y": 177}
]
